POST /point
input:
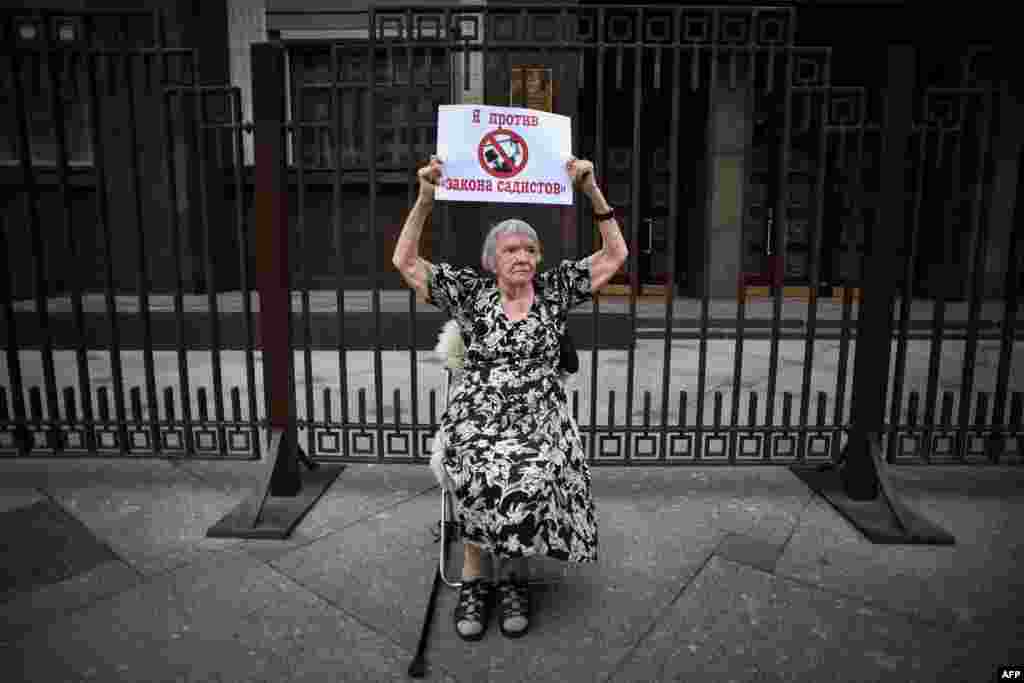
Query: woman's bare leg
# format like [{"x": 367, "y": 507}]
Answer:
[{"x": 473, "y": 560}]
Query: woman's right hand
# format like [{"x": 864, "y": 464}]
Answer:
[{"x": 430, "y": 177}]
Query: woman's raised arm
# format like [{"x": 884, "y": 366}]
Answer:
[
  {"x": 607, "y": 260},
  {"x": 414, "y": 269}
]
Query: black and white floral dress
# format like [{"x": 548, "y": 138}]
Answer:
[{"x": 522, "y": 482}]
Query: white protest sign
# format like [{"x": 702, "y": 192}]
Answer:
[{"x": 503, "y": 154}]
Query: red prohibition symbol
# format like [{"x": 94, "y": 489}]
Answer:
[{"x": 503, "y": 153}]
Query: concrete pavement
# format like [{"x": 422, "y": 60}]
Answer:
[{"x": 704, "y": 575}]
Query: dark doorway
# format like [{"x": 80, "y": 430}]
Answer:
[{"x": 636, "y": 162}]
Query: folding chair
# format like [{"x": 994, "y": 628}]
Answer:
[{"x": 448, "y": 526}]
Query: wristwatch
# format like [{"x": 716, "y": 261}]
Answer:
[{"x": 604, "y": 216}]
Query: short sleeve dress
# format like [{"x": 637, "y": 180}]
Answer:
[{"x": 522, "y": 482}]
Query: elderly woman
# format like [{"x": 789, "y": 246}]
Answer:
[{"x": 522, "y": 483}]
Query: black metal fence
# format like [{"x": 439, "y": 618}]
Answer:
[{"x": 361, "y": 118}]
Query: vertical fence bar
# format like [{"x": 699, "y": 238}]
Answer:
[
  {"x": 702, "y": 363},
  {"x": 634, "y": 246},
  {"x": 199, "y": 104},
  {"x": 1015, "y": 423},
  {"x": 841, "y": 371},
  {"x": 328, "y": 416},
  {"x": 412, "y": 186},
  {"x": 673, "y": 213},
  {"x": 599, "y": 158},
  {"x": 571, "y": 218},
  {"x": 913, "y": 404},
  {"x": 577, "y": 144},
  {"x": 980, "y": 412},
  {"x": 371, "y": 217},
  {"x": 1011, "y": 292},
  {"x": 74, "y": 268},
  {"x": 844, "y": 334},
  {"x": 781, "y": 221},
  {"x": 35, "y": 406},
  {"x": 103, "y": 217},
  {"x": 445, "y": 218},
  {"x": 741, "y": 299},
  {"x": 682, "y": 415},
  {"x": 908, "y": 288},
  {"x": 816, "y": 239},
  {"x": 242, "y": 227},
  {"x": 170, "y": 168},
  {"x": 32, "y": 199},
  {"x": 485, "y": 23},
  {"x": 336, "y": 205},
  {"x": 142, "y": 275},
  {"x": 940, "y": 286},
  {"x": 302, "y": 249},
  {"x": 70, "y": 415},
  {"x": 976, "y": 267},
  {"x": 13, "y": 357}
]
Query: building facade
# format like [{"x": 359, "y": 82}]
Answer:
[{"x": 727, "y": 133}]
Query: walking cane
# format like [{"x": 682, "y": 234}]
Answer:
[{"x": 417, "y": 668}]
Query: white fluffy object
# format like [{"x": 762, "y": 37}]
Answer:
[
  {"x": 436, "y": 466},
  {"x": 450, "y": 346},
  {"x": 453, "y": 352}
]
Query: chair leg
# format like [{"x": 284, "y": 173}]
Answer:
[{"x": 445, "y": 529}]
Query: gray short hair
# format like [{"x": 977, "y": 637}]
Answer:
[{"x": 509, "y": 226}]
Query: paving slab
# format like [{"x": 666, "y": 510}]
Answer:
[
  {"x": 735, "y": 623},
  {"x": 155, "y": 525},
  {"x": 312, "y": 640},
  {"x": 759, "y": 553},
  {"x": 12, "y": 499},
  {"x": 228, "y": 617},
  {"x": 396, "y": 496},
  {"x": 54, "y": 473},
  {"x": 363, "y": 572},
  {"x": 42, "y": 545},
  {"x": 974, "y": 584},
  {"x": 47, "y": 605},
  {"x": 777, "y": 526},
  {"x": 150, "y": 632}
]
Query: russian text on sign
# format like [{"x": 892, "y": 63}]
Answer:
[{"x": 503, "y": 154}]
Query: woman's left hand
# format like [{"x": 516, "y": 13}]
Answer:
[{"x": 582, "y": 173}]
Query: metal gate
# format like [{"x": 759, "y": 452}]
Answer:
[{"x": 679, "y": 379}]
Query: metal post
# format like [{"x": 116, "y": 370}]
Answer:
[
  {"x": 282, "y": 478},
  {"x": 272, "y": 276},
  {"x": 874, "y": 325}
]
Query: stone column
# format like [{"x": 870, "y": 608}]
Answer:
[{"x": 730, "y": 129}]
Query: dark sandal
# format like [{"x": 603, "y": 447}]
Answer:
[
  {"x": 474, "y": 606},
  {"x": 513, "y": 601}
]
